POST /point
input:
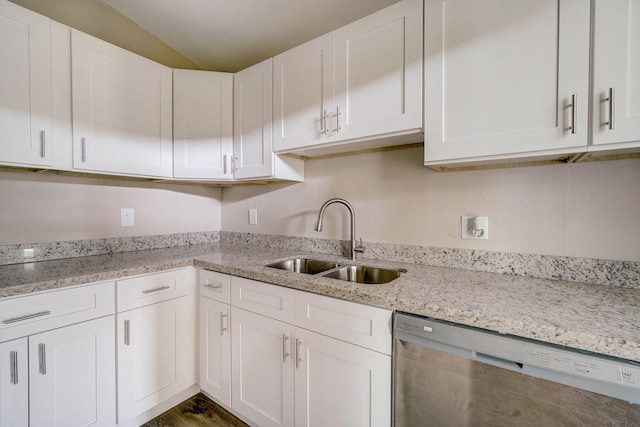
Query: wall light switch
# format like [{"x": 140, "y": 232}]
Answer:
[
  {"x": 127, "y": 217},
  {"x": 475, "y": 227},
  {"x": 253, "y": 216}
]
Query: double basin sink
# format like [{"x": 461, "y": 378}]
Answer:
[{"x": 334, "y": 270}]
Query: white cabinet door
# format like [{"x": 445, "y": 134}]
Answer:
[
  {"x": 72, "y": 375},
  {"x": 215, "y": 349},
  {"x": 340, "y": 384},
  {"x": 262, "y": 369},
  {"x": 156, "y": 354},
  {"x": 14, "y": 383},
  {"x": 122, "y": 110},
  {"x": 302, "y": 92},
  {"x": 378, "y": 73},
  {"x": 500, "y": 80},
  {"x": 253, "y": 116},
  {"x": 616, "y": 69},
  {"x": 202, "y": 124},
  {"x": 25, "y": 87}
]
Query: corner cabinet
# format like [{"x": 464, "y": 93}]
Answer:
[
  {"x": 358, "y": 87},
  {"x": 616, "y": 71},
  {"x": 505, "y": 81},
  {"x": 26, "y": 86},
  {"x": 253, "y": 156},
  {"x": 122, "y": 110},
  {"x": 202, "y": 125}
]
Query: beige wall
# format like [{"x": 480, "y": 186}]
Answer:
[
  {"x": 101, "y": 21},
  {"x": 580, "y": 210},
  {"x": 47, "y": 208}
]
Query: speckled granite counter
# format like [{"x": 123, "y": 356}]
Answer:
[{"x": 597, "y": 318}]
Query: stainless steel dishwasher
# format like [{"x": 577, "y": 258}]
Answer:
[{"x": 452, "y": 375}]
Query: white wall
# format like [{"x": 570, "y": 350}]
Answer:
[
  {"x": 47, "y": 207},
  {"x": 587, "y": 210}
]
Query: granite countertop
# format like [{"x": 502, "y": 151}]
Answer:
[{"x": 598, "y": 318}]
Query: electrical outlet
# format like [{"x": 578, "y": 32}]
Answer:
[
  {"x": 253, "y": 216},
  {"x": 127, "y": 217},
  {"x": 474, "y": 227}
]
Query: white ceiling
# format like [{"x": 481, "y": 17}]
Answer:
[{"x": 229, "y": 35}]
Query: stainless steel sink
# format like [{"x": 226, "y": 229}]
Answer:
[
  {"x": 304, "y": 265},
  {"x": 364, "y": 274}
]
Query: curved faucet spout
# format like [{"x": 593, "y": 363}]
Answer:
[{"x": 318, "y": 226}]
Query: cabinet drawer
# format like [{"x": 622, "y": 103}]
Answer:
[
  {"x": 262, "y": 298},
  {"x": 358, "y": 324},
  {"x": 139, "y": 291},
  {"x": 31, "y": 314},
  {"x": 214, "y": 285}
]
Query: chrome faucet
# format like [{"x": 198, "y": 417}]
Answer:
[{"x": 318, "y": 227}]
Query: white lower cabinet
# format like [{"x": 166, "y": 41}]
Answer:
[
  {"x": 215, "y": 347},
  {"x": 57, "y": 361},
  {"x": 156, "y": 342},
  {"x": 283, "y": 374},
  {"x": 340, "y": 384}
]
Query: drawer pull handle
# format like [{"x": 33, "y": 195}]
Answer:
[
  {"x": 26, "y": 317},
  {"x": 127, "y": 332},
  {"x": 161, "y": 288},
  {"x": 213, "y": 287},
  {"x": 14, "y": 367},
  {"x": 42, "y": 359}
]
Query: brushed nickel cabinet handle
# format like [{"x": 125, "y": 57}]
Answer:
[
  {"x": 323, "y": 123},
  {"x": 83, "y": 149},
  {"x": 43, "y": 143},
  {"x": 285, "y": 338},
  {"x": 26, "y": 317},
  {"x": 298, "y": 359},
  {"x": 161, "y": 288},
  {"x": 42, "y": 359},
  {"x": 213, "y": 287},
  {"x": 13, "y": 357},
  {"x": 224, "y": 164},
  {"x": 222, "y": 327},
  {"x": 127, "y": 332},
  {"x": 338, "y": 128},
  {"x": 612, "y": 102},
  {"x": 573, "y": 114}
]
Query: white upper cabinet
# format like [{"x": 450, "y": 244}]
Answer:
[
  {"x": 122, "y": 110},
  {"x": 26, "y": 90},
  {"x": 202, "y": 124},
  {"x": 505, "y": 80},
  {"x": 616, "y": 71},
  {"x": 253, "y": 156},
  {"x": 359, "y": 85}
]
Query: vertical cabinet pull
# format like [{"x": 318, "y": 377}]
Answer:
[
  {"x": 573, "y": 107},
  {"x": 611, "y": 99},
  {"x": 13, "y": 358},
  {"x": 222, "y": 327},
  {"x": 42, "y": 359},
  {"x": 83, "y": 149},
  {"x": 323, "y": 123},
  {"x": 43, "y": 143},
  {"x": 224, "y": 164},
  {"x": 338, "y": 128},
  {"x": 298, "y": 359},
  {"x": 285, "y": 338},
  {"x": 127, "y": 333}
]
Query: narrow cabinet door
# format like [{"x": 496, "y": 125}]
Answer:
[
  {"x": 378, "y": 73},
  {"x": 253, "y": 118},
  {"x": 156, "y": 354},
  {"x": 215, "y": 349},
  {"x": 503, "y": 81},
  {"x": 340, "y": 384},
  {"x": 202, "y": 124},
  {"x": 302, "y": 94},
  {"x": 262, "y": 370},
  {"x": 14, "y": 383},
  {"x": 616, "y": 71},
  {"x": 72, "y": 381},
  {"x": 25, "y": 87}
]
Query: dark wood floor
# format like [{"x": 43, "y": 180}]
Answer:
[{"x": 196, "y": 412}]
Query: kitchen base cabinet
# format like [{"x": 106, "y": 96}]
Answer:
[
  {"x": 156, "y": 341},
  {"x": 263, "y": 375},
  {"x": 14, "y": 383},
  {"x": 340, "y": 384},
  {"x": 215, "y": 350},
  {"x": 72, "y": 372}
]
